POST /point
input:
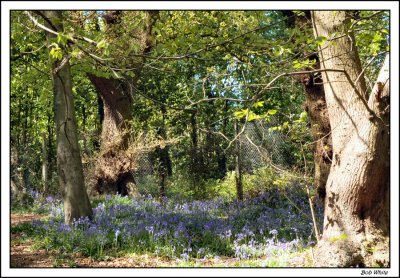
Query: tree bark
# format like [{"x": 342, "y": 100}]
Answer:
[
  {"x": 17, "y": 185},
  {"x": 315, "y": 106},
  {"x": 69, "y": 164},
  {"x": 221, "y": 154},
  {"x": 356, "y": 219},
  {"x": 45, "y": 168},
  {"x": 113, "y": 172},
  {"x": 164, "y": 167},
  {"x": 238, "y": 165}
]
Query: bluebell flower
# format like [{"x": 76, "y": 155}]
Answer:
[
  {"x": 185, "y": 256},
  {"x": 150, "y": 229},
  {"x": 273, "y": 232},
  {"x": 64, "y": 228},
  {"x": 49, "y": 199}
]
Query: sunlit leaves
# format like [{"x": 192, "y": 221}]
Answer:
[
  {"x": 258, "y": 104},
  {"x": 303, "y": 64},
  {"x": 299, "y": 13},
  {"x": 62, "y": 38},
  {"x": 101, "y": 44},
  {"x": 76, "y": 53},
  {"x": 241, "y": 113},
  {"x": 55, "y": 52},
  {"x": 303, "y": 117},
  {"x": 320, "y": 40},
  {"x": 251, "y": 116},
  {"x": 279, "y": 51}
]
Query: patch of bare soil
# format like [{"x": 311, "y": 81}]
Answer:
[
  {"x": 17, "y": 218},
  {"x": 22, "y": 255}
]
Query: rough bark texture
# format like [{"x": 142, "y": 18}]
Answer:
[
  {"x": 69, "y": 164},
  {"x": 315, "y": 106},
  {"x": 114, "y": 166},
  {"x": 356, "y": 220},
  {"x": 113, "y": 172}
]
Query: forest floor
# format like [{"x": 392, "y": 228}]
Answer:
[{"x": 24, "y": 255}]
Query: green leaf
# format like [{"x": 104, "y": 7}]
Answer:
[
  {"x": 303, "y": 116},
  {"x": 101, "y": 44},
  {"x": 63, "y": 38},
  {"x": 297, "y": 65},
  {"x": 272, "y": 112},
  {"x": 321, "y": 40},
  {"x": 253, "y": 116},
  {"x": 56, "y": 52},
  {"x": 241, "y": 113},
  {"x": 299, "y": 13},
  {"x": 279, "y": 51},
  {"x": 258, "y": 104},
  {"x": 75, "y": 53},
  {"x": 134, "y": 47}
]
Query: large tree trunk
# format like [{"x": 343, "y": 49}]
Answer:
[
  {"x": 356, "y": 220},
  {"x": 114, "y": 166},
  {"x": 315, "y": 106},
  {"x": 69, "y": 164},
  {"x": 113, "y": 173}
]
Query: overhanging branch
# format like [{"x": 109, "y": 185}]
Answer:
[{"x": 363, "y": 100}]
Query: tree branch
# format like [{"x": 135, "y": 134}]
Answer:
[
  {"x": 363, "y": 100},
  {"x": 41, "y": 26}
]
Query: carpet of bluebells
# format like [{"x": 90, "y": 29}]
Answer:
[{"x": 259, "y": 227}]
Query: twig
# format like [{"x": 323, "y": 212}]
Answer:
[{"x": 317, "y": 235}]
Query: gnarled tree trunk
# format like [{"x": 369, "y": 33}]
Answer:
[
  {"x": 69, "y": 164},
  {"x": 356, "y": 220},
  {"x": 113, "y": 172},
  {"x": 315, "y": 106},
  {"x": 114, "y": 166}
]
